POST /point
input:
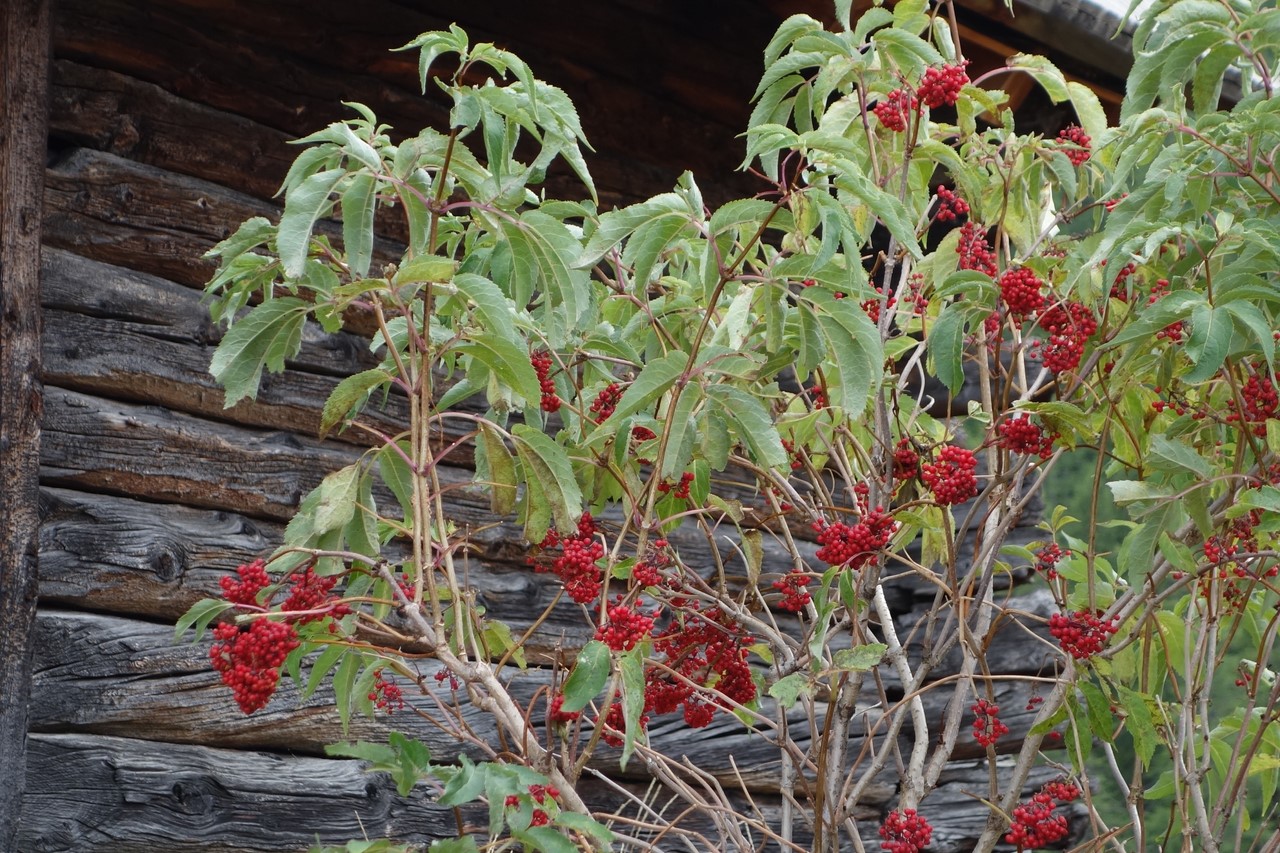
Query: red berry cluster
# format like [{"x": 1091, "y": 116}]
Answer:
[
  {"x": 950, "y": 477},
  {"x": 605, "y": 402},
  {"x": 253, "y": 580},
  {"x": 941, "y": 85},
  {"x": 1076, "y": 143},
  {"x": 624, "y": 627},
  {"x": 792, "y": 586},
  {"x": 818, "y": 395},
  {"x": 249, "y": 657},
  {"x": 905, "y": 831},
  {"x": 906, "y": 462},
  {"x": 576, "y": 565},
  {"x": 1069, "y": 326},
  {"x": 1021, "y": 291},
  {"x": 1034, "y": 823},
  {"x": 539, "y": 794},
  {"x": 541, "y": 362},
  {"x": 1260, "y": 403},
  {"x": 707, "y": 648},
  {"x": 311, "y": 598},
  {"x": 678, "y": 490},
  {"x": 386, "y": 694},
  {"x": 1023, "y": 435},
  {"x": 855, "y": 545},
  {"x": 1047, "y": 559},
  {"x": 556, "y": 716},
  {"x": 648, "y": 571},
  {"x": 1082, "y": 634},
  {"x": 987, "y": 726},
  {"x": 797, "y": 461},
  {"x": 894, "y": 109},
  {"x": 950, "y": 206},
  {"x": 974, "y": 250},
  {"x": 872, "y": 306}
]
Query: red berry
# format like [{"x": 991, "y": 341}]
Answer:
[
  {"x": 905, "y": 831},
  {"x": 893, "y": 109},
  {"x": 974, "y": 250},
  {"x": 941, "y": 85},
  {"x": 987, "y": 726},
  {"x": 1075, "y": 143},
  {"x": 1082, "y": 634},
  {"x": 1022, "y": 435},
  {"x": 951, "y": 477},
  {"x": 950, "y": 206},
  {"x": 1021, "y": 291},
  {"x": 606, "y": 402},
  {"x": 792, "y": 586}
]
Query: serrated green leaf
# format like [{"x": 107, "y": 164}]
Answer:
[
  {"x": 492, "y": 308},
  {"x": 303, "y": 205},
  {"x": 348, "y": 394},
  {"x": 1210, "y": 340},
  {"x": 586, "y": 825},
  {"x": 199, "y": 615},
  {"x": 357, "y": 222},
  {"x": 682, "y": 432},
  {"x": 860, "y": 658},
  {"x": 789, "y": 688},
  {"x": 654, "y": 380},
  {"x": 631, "y": 668},
  {"x": 946, "y": 347},
  {"x": 265, "y": 337},
  {"x": 751, "y": 423},
  {"x": 423, "y": 268},
  {"x": 337, "y": 499},
  {"x": 496, "y": 467},
  {"x": 1178, "y": 453},
  {"x": 508, "y": 361},
  {"x": 590, "y": 673},
  {"x": 547, "y": 463}
]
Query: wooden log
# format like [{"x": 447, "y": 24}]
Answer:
[
  {"x": 111, "y": 209},
  {"x": 24, "y": 56},
  {"x": 643, "y": 135},
  {"x": 111, "y": 675},
  {"x": 90, "y": 793},
  {"x": 101, "y": 109},
  {"x": 135, "y": 337}
]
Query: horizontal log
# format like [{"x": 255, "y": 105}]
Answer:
[
  {"x": 92, "y": 793},
  {"x": 111, "y": 675},
  {"x": 101, "y": 109},
  {"x": 88, "y": 793},
  {"x": 646, "y": 129},
  {"x": 136, "y": 337}
]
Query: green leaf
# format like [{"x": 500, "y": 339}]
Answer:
[
  {"x": 425, "y": 268},
  {"x": 789, "y": 688},
  {"x": 357, "y": 222},
  {"x": 1139, "y": 723},
  {"x": 303, "y": 205},
  {"x": 884, "y": 206},
  {"x": 682, "y": 432},
  {"x": 586, "y": 825},
  {"x": 466, "y": 784},
  {"x": 631, "y": 668},
  {"x": 396, "y": 473},
  {"x": 545, "y": 840},
  {"x": 654, "y": 380},
  {"x": 752, "y": 424},
  {"x": 590, "y": 673},
  {"x": 1180, "y": 455},
  {"x": 199, "y": 615},
  {"x": 860, "y": 658},
  {"x": 507, "y": 359},
  {"x": 350, "y": 394},
  {"x": 543, "y": 247},
  {"x": 492, "y": 307},
  {"x": 265, "y": 337},
  {"x": 547, "y": 463},
  {"x": 1211, "y": 333},
  {"x": 1045, "y": 73},
  {"x": 337, "y": 499},
  {"x": 496, "y": 467},
  {"x": 946, "y": 347},
  {"x": 617, "y": 224}
]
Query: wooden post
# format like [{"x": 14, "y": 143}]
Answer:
[{"x": 24, "y": 40}]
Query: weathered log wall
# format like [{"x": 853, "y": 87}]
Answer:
[{"x": 168, "y": 128}]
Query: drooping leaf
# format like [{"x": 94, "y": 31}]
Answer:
[
  {"x": 546, "y": 462},
  {"x": 590, "y": 673},
  {"x": 349, "y": 394},
  {"x": 265, "y": 337},
  {"x": 358, "y": 201},
  {"x": 303, "y": 205}
]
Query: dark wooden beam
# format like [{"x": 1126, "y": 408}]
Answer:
[{"x": 24, "y": 46}]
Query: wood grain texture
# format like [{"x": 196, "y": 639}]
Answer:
[
  {"x": 110, "y": 675},
  {"x": 133, "y": 796},
  {"x": 24, "y": 58}
]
